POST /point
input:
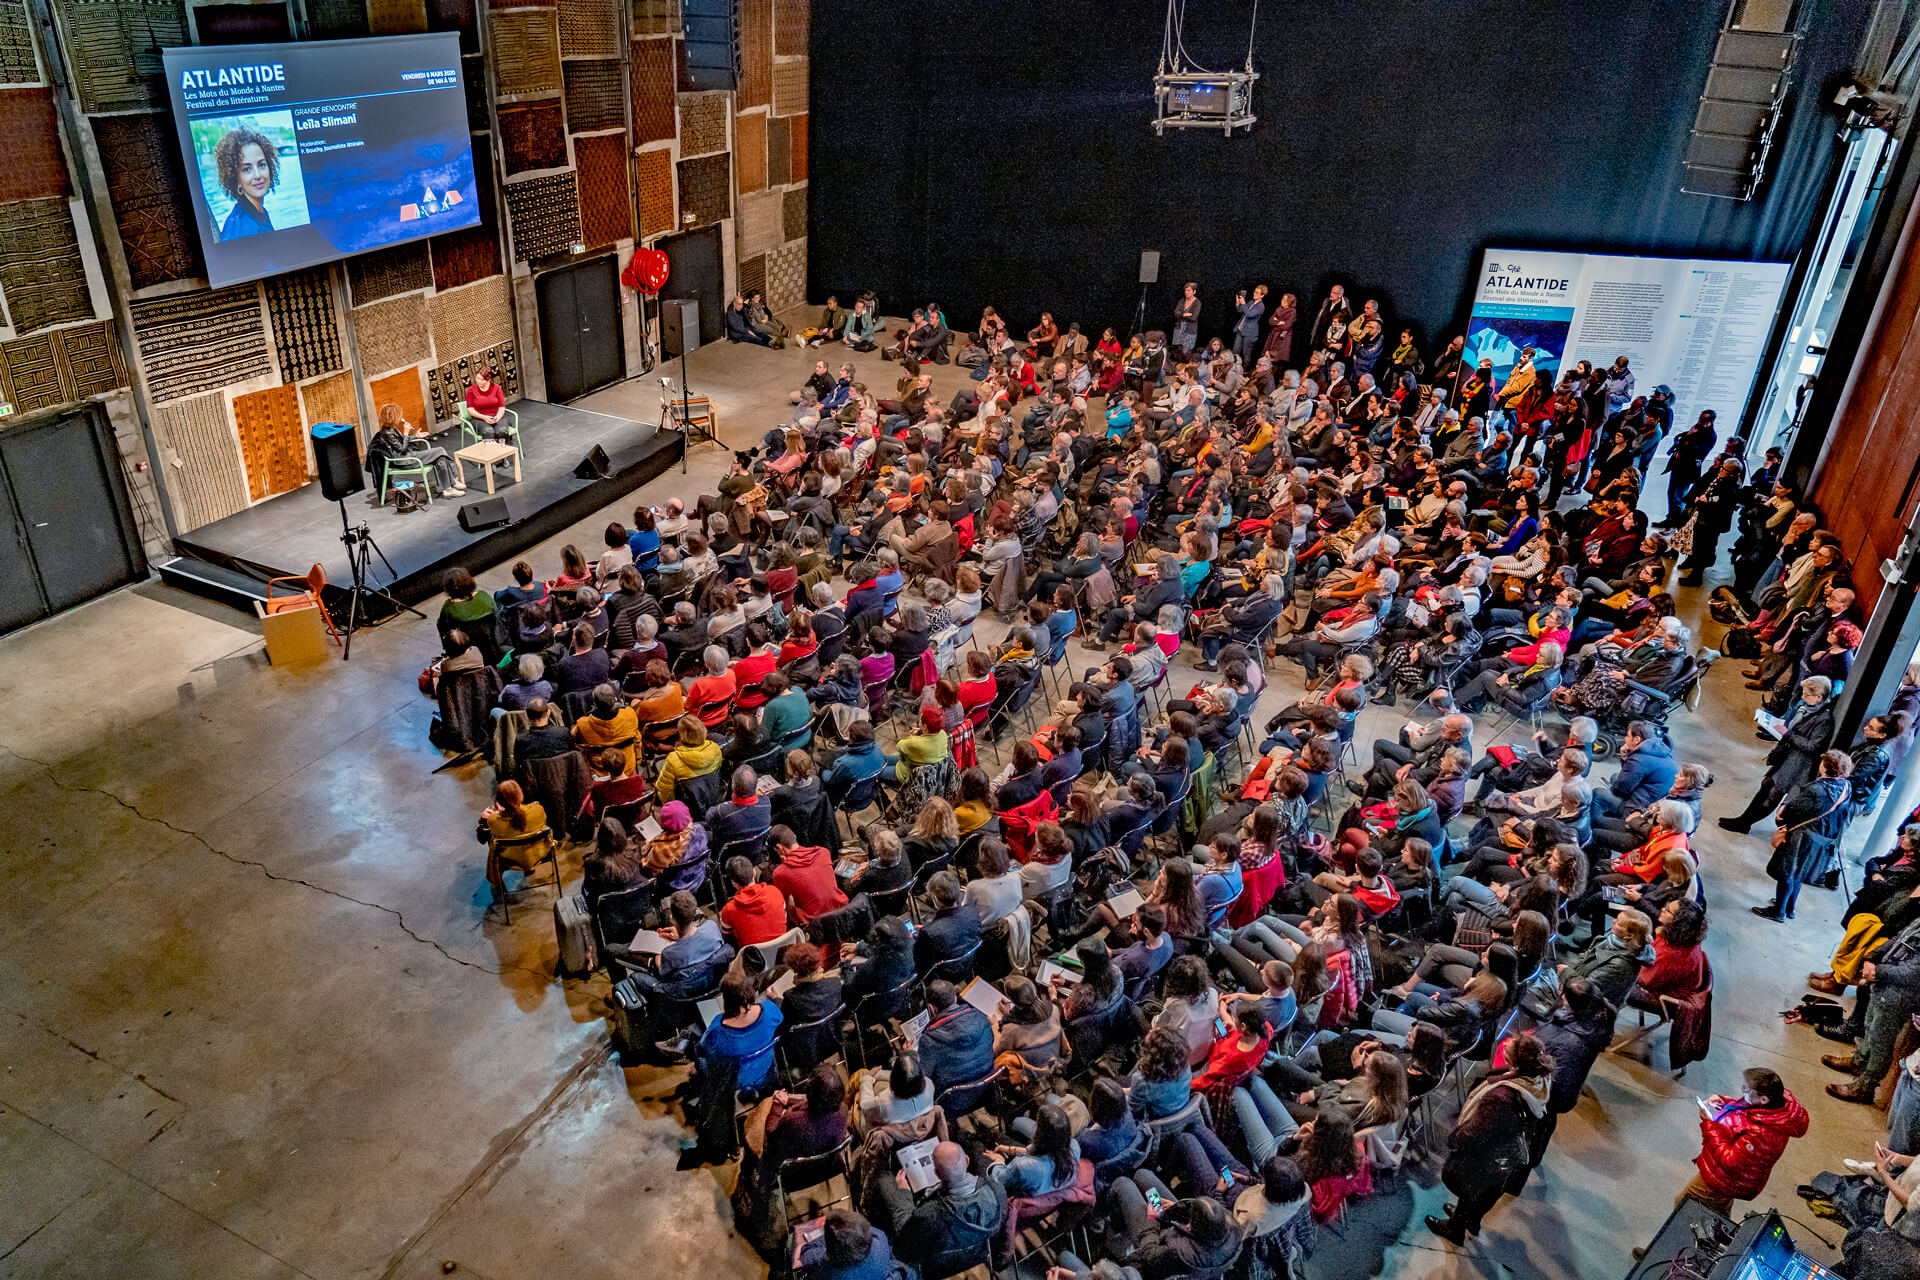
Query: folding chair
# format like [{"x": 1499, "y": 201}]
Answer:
[{"x": 544, "y": 848}]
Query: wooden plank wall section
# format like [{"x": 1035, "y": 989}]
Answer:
[{"x": 1866, "y": 484}]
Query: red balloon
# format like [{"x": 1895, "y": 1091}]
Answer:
[{"x": 646, "y": 271}]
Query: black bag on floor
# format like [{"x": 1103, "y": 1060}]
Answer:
[{"x": 1741, "y": 643}]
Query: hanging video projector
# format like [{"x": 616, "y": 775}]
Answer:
[{"x": 1188, "y": 96}]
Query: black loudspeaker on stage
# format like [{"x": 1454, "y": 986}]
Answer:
[
  {"x": 595, "y": 466},
  {"x": 488, "y": 513},
  {"x": 336, "y": 452}
]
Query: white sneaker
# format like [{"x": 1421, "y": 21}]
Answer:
[
  {"x": 1859, "y": 1166},
  {"x": 458, "y": 491}
]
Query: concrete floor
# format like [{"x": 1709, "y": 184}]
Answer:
[{"x": 257, "y": 1024}]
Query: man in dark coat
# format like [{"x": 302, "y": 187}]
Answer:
[
  {"x": 1795, "y": 759},
  {"x": 950, "y": 1231}
]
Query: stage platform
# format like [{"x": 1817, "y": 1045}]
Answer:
[{"x": 230, "y": 559}]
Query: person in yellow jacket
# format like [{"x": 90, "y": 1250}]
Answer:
[{"x": 692, "y": 758}]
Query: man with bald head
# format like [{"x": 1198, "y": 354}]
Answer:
[
  {"x": 951, "y": 1230},
  {"x": 1416, "y": 755}
]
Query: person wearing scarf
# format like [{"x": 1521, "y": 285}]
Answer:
[{"x": 1489, "y": 1143}]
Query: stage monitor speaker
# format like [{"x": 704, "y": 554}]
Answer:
[
  {"x": 713, "y": 43},
  {"x": 595, "y": 466},
  {"x": 336, "y": 452},
  {"x": 1149, "y": 266},
  {"x": 488, "y": 513},
  {"x": 679, "y": 326}
]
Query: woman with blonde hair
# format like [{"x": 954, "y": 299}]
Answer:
[{"x": 397, "y": 438}]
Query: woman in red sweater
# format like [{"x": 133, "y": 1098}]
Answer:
[
  {"x": 486, "y": 405},
  {"x": 1679, "y": 962},
  {"x": 1234, "y": 1057}
]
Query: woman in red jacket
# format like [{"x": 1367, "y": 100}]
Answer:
[
  {"x": 1679, "y": 967},
  {"x": 1234, "y": 1057},
  {"x": 1742, "y": 1138}
]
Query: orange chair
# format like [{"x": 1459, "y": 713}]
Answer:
[{"x": 312, "y": 584}]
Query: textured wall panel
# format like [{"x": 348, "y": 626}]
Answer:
[
  {"x": 273, "y": 444},
  {"x": 330, "y": 400},
  {"x": 473, "y": 78},
  {"x": 543, "y": 215},
  {"x": 797, "y": 131},
  {"x": 34, "y": 166},
  {"x": 403, "y": 389},
  {"x": 790, "y": 26},
  {"x": 656, "y": 17},
  {"x": 306, "y": 329},
  {"x": 61, "y": 366},
  {"x": 589, "y": 28},
  {"x": 336, "y": 19},
  {"x": 779, "y": 151},
  {"x": 756, "y": 53},
  {"x": 606, "y": 209},
  {"x": 141, "y": 156},
  {"x": 596, "y": 95},
  {"x": 385, "y": 272},
  {"x": 461, "y": 257},
  {"x": 40, "y": 269},
  {"x": 750, "y": 151},
  {"x": 17, "y": 62},
  {"x": 651, "y": 69},
  {"x": 526, "y": 51},
  {"x": 793, "y": 213},
  {"x": 790, "y": 88},
  {"x": 113, "y": 47},
  {"x": 456, "y": 15},
  {"x": 447, "y": 385},
  {"x": 242, "y": 23},
  {"x": 33, "y": 372},
  {"x": 480, "y": 315},
  {"x": 201, "y": 341},
  {"x": 200, "y": 460},
  {"x": 703, "y": 123},
  {"x": 396, "y": 17},
  {"x": 705, "y": 190},
  {"x": 90, "y": 362},
  {"x": 753, "y": 274},
  {"x": 653, "y": 179},
  {"x": 533, "y": 135},
  {"x": 392, "y": 333},
  {"x": 756, "y": 223},
  {"x": 787, "y": 276},
  {"x": 521, "y": 4}
]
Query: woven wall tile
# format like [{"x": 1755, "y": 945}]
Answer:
[
  {"x": 753, "y": 274},
  {"x": 480, "y": 315},
  {"x": 35, "y": 166},
  {"x": 589, "y": 28},
  {"x": 447, "y": 385},
  {"x": 750, "y": 151},
  {"x": 396, "y": 17},
  {"x": 17, "y": 62},
  {"x": 329, "y": 399},
  {"x": 703, "y": 123},
  {"x": 403, "y": 389},
  {"x": 526, "y": 51},
  {"x": 33, "y": 372},
  {"x": 386, "y": 272},
  {"x": 793, "y": 213},
  {"x": 756, "y": 223},
  {"x": 521, "y": 4},
  {"x": 596, "y": 95},
  {"x": 606, "y": 207},
  {"x": 656, "y": 17},
  {"x": 273, "y": 443},
  {"x": 651, "y": 68},
  {"x": 242, "y": 23},
  {"x": 145, "y": 182},
  {"x": 790, "y": 22},
  {"x": 787, "y": 276},
  {"x": 40, "y": 269},
  {"x": 113, "y": 47},
  {"x": 543, "y": 215},
  {"x": 461, "y": 257},
  {"x": 199, "y": 460},
  {"x": 336, "y": 19},
  {"x": 90, "y": 362},
  {"x": 797, "y": 131},
  {"x": 456, "y": 15},
  {"x": 653, "y": 179},
  {"x": 392, "y": 333},
  {"x": 306, "y": 328},
  {"x": 779, "y": 151},
  {"x": 533, "y": 135},
  {"x": 197, "y": 342},
  {"x": 790, "y": 88},
  {"x": 473, "y": 79},
  {"x": 705, "y": 190},
  {"x": 756, "y": 53}
]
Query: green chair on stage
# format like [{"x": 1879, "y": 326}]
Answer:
[
  {"x": 403, "y": 469},
  {"x": 509, "y": 423}
]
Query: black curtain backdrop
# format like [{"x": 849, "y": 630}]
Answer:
[{"x": 1003, "y": 153}]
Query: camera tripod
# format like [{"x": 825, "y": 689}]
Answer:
[{"x": 361, "y": 548}]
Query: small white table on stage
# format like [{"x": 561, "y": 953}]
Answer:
[{"x": 485, "y": 454}]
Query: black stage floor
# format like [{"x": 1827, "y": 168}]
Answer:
[{"x": 288, "y": 534}]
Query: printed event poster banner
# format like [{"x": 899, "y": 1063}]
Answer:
[{"x": 1693, "y": 325}]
